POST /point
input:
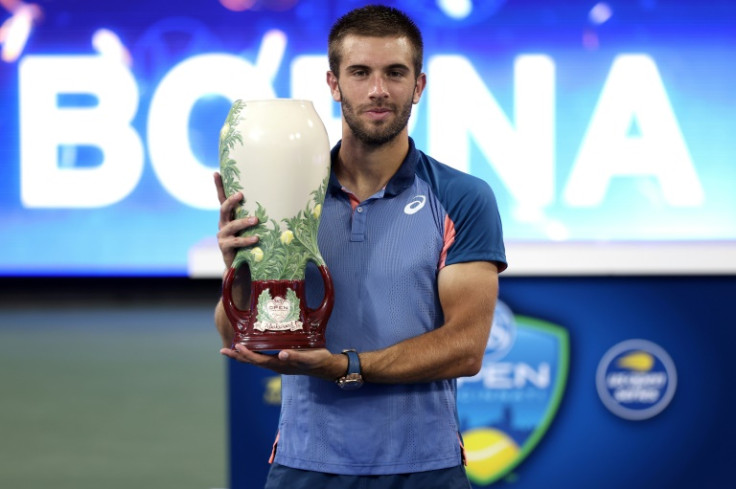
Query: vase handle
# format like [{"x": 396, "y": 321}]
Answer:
[
  {"x": 237, "y": 317},
  {"x": 316, "y": 317}
]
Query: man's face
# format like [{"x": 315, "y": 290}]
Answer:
[{"x": 376, "y": 87}]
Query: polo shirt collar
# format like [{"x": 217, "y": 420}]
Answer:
[{"x": 402, "y": 179}]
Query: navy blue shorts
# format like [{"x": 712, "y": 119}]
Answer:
[{"x": 281, "y": 477}]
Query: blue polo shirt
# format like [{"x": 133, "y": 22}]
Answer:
[{"x": 384, "y": 254}]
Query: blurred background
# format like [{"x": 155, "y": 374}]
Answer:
[
  {"x": 110, "y": 383},
  {"x": 605, "y": 129}
]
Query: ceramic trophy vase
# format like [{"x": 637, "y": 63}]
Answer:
[{"x": 277, "y": 153}]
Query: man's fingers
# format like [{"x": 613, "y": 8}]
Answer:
[
  {"x": 228, "y": 237},
  {"x": 220, "y": 188},
  {"x": 243, "y": 354},
  {"x": 227, "y": 208}
]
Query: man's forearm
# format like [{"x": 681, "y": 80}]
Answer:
[
  {"x": 431, "y": 356},
  {"x": 456, "y": 348}
]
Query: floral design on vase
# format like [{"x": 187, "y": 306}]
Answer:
[
  {"x": 288, "y": 247},
  {"x": 283, "y": 249}
]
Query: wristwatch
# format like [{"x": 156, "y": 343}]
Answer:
[{"x": 352, "y": 378}]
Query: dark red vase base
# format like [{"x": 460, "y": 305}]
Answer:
[
  {"x": 314, "y": 321},
  {"x": 278, "y": 340}
]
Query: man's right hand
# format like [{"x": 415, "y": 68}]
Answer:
[
  {"x": 229, "y": 243},
  {"x": 229, "y": 227}
]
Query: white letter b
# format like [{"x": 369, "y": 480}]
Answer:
[{"x": 44, "y": 127}]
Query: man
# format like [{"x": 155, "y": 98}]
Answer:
[{"x": 414, "y": 248}]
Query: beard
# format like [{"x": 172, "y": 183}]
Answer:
[{"x": 376, "y": 133}]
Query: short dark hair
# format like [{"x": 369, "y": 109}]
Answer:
[{"x": 374, "y": 21}]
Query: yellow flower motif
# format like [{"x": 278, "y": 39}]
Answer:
[
  {"x": 317, "y": 211},
  {"x": 287, "y": 237},
  {"x": 257, "y": 254}
]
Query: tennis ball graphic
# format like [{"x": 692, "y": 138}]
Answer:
[{"x": 489, "y": 453}]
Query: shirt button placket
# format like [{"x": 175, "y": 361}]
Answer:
[{"x": 358, "y": 224}]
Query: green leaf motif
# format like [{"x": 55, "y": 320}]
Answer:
[
  {"x": 278, "y": 255},
  {"x": 263, "y": 300},
  {"x": 292, "y": 299},
  {"x": 283, "y": 253},
  {"x": 229, "y": 137}
]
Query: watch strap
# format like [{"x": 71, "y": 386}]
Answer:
[
  {"x": 353, "y": 361},
  {"x": 352, "y": 378}
]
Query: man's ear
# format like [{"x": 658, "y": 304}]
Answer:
[
  {"x": 419, "y": 87},
  {"x": 332, "y": 82}
]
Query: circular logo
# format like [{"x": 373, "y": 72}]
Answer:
[
  {"x": 503, "y": 333},
  {"x": 415, "y": 205},
  {"x": 636, "y": 379}
]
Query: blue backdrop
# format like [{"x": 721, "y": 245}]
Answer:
[
  {"x": 691, "y": 443},
  {"x": 621, "y": 110}
]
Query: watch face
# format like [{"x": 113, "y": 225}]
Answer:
[{"x": 351, "y": 381}]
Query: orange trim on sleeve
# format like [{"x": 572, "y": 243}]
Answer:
[
  {"x": 463, "y": 455},
  {"x": 273, "y": 450},
  {"x": 449, "y": 239}
]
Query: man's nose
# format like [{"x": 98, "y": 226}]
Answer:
[{"x": 378, "y": 87}]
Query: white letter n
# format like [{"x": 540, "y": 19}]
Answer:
[{"x": 521, "y": 153}]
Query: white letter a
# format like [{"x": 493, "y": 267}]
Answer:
[{"x": 634, "y": 92}]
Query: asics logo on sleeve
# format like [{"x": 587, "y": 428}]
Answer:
[{"x": 415, "y": 205}]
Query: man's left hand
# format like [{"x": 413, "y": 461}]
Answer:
[{"x": 317, "y": 362}]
